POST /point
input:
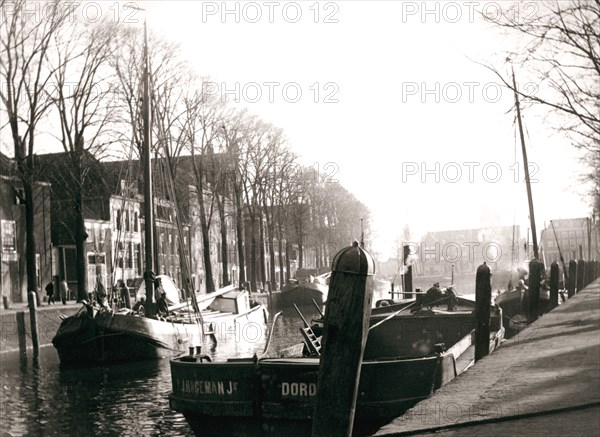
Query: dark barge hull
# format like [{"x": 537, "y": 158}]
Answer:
[
  {"x": 272, "y": 390},
  {"x": 112, "y": 337},
  {"x": 273, "y": 393},
  {"x": 303, "y": 295}
]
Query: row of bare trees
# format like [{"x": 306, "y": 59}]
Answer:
[{"x": 82, "y": 83}]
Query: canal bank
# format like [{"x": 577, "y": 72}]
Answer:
[
  {"x": 548, "y": 373},
  {"x": 48, "y": 321}
]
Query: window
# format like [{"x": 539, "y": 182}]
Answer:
[
  {"x": 127, "y": 227},
  {"x": 130, "y": 256},
  {"x": 96, "y": 258},
  {"x": 118, "y": 220},
  {"x": 135, "y": 222},
  {"x": 138, "y": 258},
  {"x": 9, "y": 236},
  {"x": 120, "y": 255}
]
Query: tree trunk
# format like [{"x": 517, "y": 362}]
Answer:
[
  {"x": 261, "y": 251},
  {"x": 26, "y": 172},
  {"x": 253, "y": 275},
  {"x": 29, "y": 235},
  {"x": 271, "y": 239},
  {"x": 80, "y": 232},
  {"x": 239, "y": 230},
  {"x": 81, "y": 250},
  {"x": 210, "y": 284},
  {"x": 281, "y": 266},
  {"x": 224, "y": 245},
  {"x": 300, "y": 254},
  {"x": 288, "y": 267}
]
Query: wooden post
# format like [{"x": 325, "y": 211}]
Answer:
[
  {"x": 554, "y": 285},
  {"x": 33, "y": 321},
  {"x": 535, "y": 279},
  {"x": 127, "y": 296},
  {"x": 483, "y": 301},
  {"x": 408, "y": 283},
  {"x": 22, "y": 334},
  {"x": 572, "y": 279},
  {"x": 345, "y": 330},
  {"x": 589, "y": 272},
  {"x": 580, "y": 274}
]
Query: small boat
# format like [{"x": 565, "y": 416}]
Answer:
[
  {"x": 100, "y": 335},
  {"x": 513, "y": 303},
  {"x": 303, "y": 294},
  {"x": 408, "y": 356}
]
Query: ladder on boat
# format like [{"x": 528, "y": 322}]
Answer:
[{"x": 312, "y": 341}]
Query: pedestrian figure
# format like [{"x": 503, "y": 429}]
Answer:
[
  {"x": 100, "y": 293},
  {"x": 64, "y": 290},
  {"x": 123, "y": 291},
  {"x": 158, "y": 288},
  {"x": 50, "y": 292},
  {"x": 433, "y": 295},
  {"x": 161, "y": 305},
  {"x": 452, "y": 298}
]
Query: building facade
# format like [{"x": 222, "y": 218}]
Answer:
[
  {"x": 13, "y": 249},
  {"x": 577, "y": 238}
]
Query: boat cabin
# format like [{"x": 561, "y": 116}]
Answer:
[{"x": 234, "y": 301}]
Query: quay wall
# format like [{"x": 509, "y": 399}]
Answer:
[{"x": 48, "y": 321}]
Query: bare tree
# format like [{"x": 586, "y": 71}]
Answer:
[
  {"x": 26, "y": 43},
  {"x": 82, "y": 92},
  {"x": 202, "y": 130},
  {"x": 562, "y": 50},
  {"x": 256, "y": 160},
  {"x": 276, "y": 155},
  {"x": 233, "y": 130}
]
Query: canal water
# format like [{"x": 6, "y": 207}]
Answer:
[
  {"x": 39, "y": 398},
  {"x": 42, "y": 399}
]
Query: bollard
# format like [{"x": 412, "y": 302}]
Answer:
[
  {"x": 126, "y": 296},
  {"x": 580, "y": 275},
  {"x": 22, "y": 334},
  {"x": 408, "y": 283},
  {"x": 346, "y": 325},
  {"x": 589, "y": 273},
  {"x": 33, "y": 322},
  {"x": 572, "y": 279},
  {"x": 554, "y": 273},
  {"x": 535, "y": 279},
  {"x": 483, "y": 301}
]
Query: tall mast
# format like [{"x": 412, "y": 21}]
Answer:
[
  {"x": 526, "y": 168},
  {"x": 148, "y": 196}
]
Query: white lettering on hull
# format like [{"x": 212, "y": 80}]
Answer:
[
  {"x": 198, "y": 387},
  {"x": 298, "y": 389}
]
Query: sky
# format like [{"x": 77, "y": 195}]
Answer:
[
  {"x": 389, "y": 99},
  {"x": 393, "y": 104}
]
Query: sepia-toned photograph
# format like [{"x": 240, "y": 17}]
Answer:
[{"x": 303, "y": 218}]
